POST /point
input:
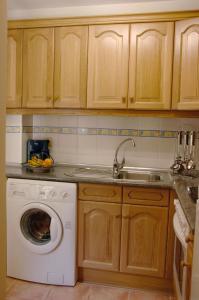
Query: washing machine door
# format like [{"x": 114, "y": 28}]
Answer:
[{"x": 40, "y": 228}]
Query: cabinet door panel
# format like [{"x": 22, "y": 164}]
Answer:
[
  {"x": 186, "y": 65},
  {"x": 99, "y": 235},
  {"x": 143, "y": 241},
  {"x": 70, "y": 66},
  {"x": 100, "y": 192},
  {"x": 14, "y": 75},
  {"x": 38, "y": 61},
  {"x": 150, "y": 68},
  {"x": 108, "y": 66}
]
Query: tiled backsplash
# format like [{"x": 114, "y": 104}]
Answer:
[{"x": 93, "y": 140}]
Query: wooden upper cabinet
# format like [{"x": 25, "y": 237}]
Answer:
[
  {"x": 108, "y": 66},
  {"x": 38, "y": 64},
  {"x": 143, "y": 240},
  {"x": 14, "y": 79},
  {"x": 99, "y": 227},
  {"x": 186, "y": 65},
  {"x": 150, "y": 66},
  {"x": 70, "y": 77}
]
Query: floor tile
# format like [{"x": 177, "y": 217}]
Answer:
[
  {"x": 22, "y": 290},
  {"x": 149, "y": 295}
]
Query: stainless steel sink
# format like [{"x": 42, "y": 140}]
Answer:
[
  {"x": 139, "y": 176},
  {"x": 107, "y": 173}
]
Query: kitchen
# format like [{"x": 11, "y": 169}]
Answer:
[{"x": 102, "y": 150}]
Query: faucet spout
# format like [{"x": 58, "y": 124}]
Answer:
[{"x": 117, "y": 166}]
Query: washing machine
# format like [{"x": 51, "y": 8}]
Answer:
[{"x": 41, "y": 231}]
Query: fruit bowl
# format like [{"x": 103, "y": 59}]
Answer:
[
  {"x": 38, "y": 169},
  {"x": 38, "y": 165}
]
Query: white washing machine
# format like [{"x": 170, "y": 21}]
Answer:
[{"x": 41, "y": 231}]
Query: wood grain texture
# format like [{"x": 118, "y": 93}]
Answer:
[
  {"x": 70, "y": 76},
  {"x": 150, "y": 65},
  {"x": 100, "y": 192},
  {"x": 99, "y": 226},
  {"x": 106, "y": 112},
  {"x": 119, "y": 19},
  {"x": 38, "y": 66},
  {"x": 14, "y": 69},
  {"x": 108, "y": 66},
  {"x": 17, "y": 289},
  {"x": 143, "y": 240},
  {"x": 124, "y": 279},
  {"x": 3, "y": 96},
  {"x": 186, "y": 61},
  {"x": 145, "y": 196}
]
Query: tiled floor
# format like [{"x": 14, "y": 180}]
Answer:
[{"x": 21, "y": 290}]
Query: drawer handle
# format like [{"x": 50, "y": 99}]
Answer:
[
  {"x": 124, "y": 99},
  {"x": 49, "y": 99}
]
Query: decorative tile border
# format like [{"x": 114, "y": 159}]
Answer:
[
  {"x": 13, "y": 129},
  {"x": 93, "y": 131}
]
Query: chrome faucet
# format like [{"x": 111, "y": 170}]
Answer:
[{"x": 116, "y": 165}]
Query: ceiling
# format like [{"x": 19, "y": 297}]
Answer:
[{"x": 36, "y": 4}]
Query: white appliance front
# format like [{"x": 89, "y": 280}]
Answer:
[{"x": 41, "y": 231}]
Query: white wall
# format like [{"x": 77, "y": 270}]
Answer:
[
  {"x": 94, "y": 10},
  {"x": 16, "y": 139}
]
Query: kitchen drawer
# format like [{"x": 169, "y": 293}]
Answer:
[
  {"x": 100, "y": 192},
  {"x": 145, "y": 196}
]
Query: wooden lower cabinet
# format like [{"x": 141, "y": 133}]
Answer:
[
  {"x": 99, "y": 235},
  {"x": 143, "y": 242},
  {"x": 122, "y": 242}
]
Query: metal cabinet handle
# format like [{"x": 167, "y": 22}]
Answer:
[
  {"x": 131, "y": 99},
  {"x": 125, "y": 217},
  {"x": 56, "y": 98},
  {"x": 124, "y": 99},
  {"x": 118, "y": 217},
  {"x": 49, "y": 98}
]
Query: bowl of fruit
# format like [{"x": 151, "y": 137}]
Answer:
[{"x": 36, "y": 164}]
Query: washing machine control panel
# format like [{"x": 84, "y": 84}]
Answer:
[{"x": 49, "y": 193}]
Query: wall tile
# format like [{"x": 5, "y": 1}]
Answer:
[{"x": 93, "y": 140}]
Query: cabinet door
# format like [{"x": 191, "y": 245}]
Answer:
[
  {"x": 108, "y": 66},
  {"x": 150, "y": 67},
  {"x": 38, "y": 60},
  {"x": 143, "y": 241},
  {"x": 14, "y": 79},
  {"x": 70, "y": 77},
  {"x": 99, "y": 235},
  {"x": 186, "y": 65}
]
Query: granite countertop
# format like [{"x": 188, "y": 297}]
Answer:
[
  {"x": 180, "y": 185},
  {"x": 99, "y": 174},
  {"x": 95, "y": 174}
]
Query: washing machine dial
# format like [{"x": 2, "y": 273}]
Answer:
[{"x": 47, "y": 193}]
